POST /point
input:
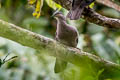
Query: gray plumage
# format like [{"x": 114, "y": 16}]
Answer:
[
  {"x": 65, "y": 34},
  {"x": 77, "y": 8}
]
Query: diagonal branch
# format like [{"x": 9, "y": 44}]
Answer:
[
  {"x": 109, "y": 4},
  {"x": 72, "y": 55},
  {"x": 96, "y": 18},
  {"x": 92, "y": 16}
]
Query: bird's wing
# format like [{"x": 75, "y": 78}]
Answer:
[
  {"x": 76, "y": 10},
  {"x": 85, "y": 3},
  {"x": 76, "y": 3},
  {"x": 81, "y": 3}
]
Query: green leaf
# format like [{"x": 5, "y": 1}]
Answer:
[
  {"x": 31, "y": 2},
  {"x": 39, "y": 5},
  {"x": 92, "y": 5},
  {"x": 53, "y": 5}
]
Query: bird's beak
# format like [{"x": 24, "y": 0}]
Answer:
[{"x": 55, "y": 12}]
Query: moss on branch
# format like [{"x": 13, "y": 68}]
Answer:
[{"x": 72, "y": 55}]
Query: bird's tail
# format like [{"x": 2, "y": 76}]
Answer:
[{"x": 75, "y": 14}]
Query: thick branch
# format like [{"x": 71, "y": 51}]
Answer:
[
  {"x": 72, "y": 55},
  {"x": 116, "y": 1},
  {"x": 92, "y": 16},
  {"x": 109, "y": 4}
]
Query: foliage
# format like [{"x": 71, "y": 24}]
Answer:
[
  {"x": 53, "y": 5},
  {"x": 39, "y": 5}
]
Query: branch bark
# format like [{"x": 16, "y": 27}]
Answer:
[
  {"x": 72, "y": 55},
  {"x": 109, "y": 3},
  {"x": 92, "y": 16}
]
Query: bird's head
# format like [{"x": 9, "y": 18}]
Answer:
[{"x": 58, "y": 15}]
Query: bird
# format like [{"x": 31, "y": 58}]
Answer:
[
  {"x": 77, "y": 8},
  {"x": 65, "y": 34}
]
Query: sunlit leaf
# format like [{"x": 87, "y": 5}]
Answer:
[
  {"x": 38, "y": 7},
  {"x": 53, "y": 5},
  {"x": 31, "y": 2},
  {"x": 92, "y": 5}
]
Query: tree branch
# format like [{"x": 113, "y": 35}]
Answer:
[
  {"x": 92, "y": 16},
  {"x": 72, "y": 55},
  {"x": 109, "y": 3}
]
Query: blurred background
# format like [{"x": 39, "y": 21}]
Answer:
[{"x": 37, "y": 65}]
